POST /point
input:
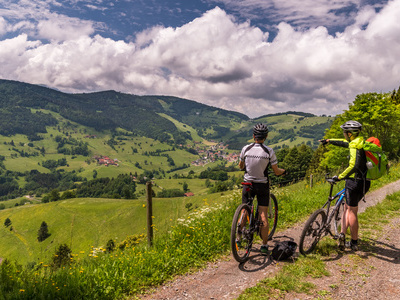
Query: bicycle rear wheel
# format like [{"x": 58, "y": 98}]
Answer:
[
  {"x": 312, "y": 232},
  {"x": 272, "y": 215},
  {"x": 241, "y": 235}
]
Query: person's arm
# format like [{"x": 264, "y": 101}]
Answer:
[
  {"x": 241, "y": 164},
  {"x": 338, "y": 142},
  {"x": 353, "y": 162},
  {"x": 277, "y": 171}
]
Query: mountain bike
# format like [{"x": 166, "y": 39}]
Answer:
[
  {"x": 323, "y": 221},
  {"x": 246, "y": 223}
]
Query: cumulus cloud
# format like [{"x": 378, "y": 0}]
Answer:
[
  {"x": 61, "y": 28},
  {"x": 35, "y": 18},
  {"x": 3, "y": 26},
  {"x": 304, "y": 13},
  {"x": 219, "y": 61}
]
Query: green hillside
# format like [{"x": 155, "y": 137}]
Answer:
[
  {"x": 86, "y": 222},
  {"x": 109, "y": 110},
  {"x": 286, "y": 130},
  {"x": 155, "y": 117}
]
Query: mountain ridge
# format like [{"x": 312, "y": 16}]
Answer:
[
  {"x": 140, "y": 115},
  {"x": 108, "y": 110}
]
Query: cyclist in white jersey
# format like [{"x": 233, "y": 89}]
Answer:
[{"x": 255, "y": 159}]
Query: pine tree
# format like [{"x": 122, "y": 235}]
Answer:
[
  {"x": 7, "y": 222},
  {"x": 185, "y": 187},
  {"x": 43, "y": 232}
]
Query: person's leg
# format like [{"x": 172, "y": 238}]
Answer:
[
  {"x": 353, "y": 221},
  {"x": 262, "y": 192},
  {"x": 263, "y": 210}
]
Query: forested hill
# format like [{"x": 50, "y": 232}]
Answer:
[
  {"x": 26, "y": 109},
  {"x": 109, "y": 110}
]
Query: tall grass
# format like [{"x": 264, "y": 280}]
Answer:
[{"x": 200, "y": 237}]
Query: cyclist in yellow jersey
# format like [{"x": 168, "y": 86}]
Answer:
[
  {"x": 255, "y": 159},
  {"x": 356, "y": 183}
]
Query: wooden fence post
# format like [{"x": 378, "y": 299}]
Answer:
[
  {"x": 311, "y": 181},
  {"x": 149, "y": 214}
]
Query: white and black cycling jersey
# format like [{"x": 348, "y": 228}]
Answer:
[{"x": 257, "y": 158}]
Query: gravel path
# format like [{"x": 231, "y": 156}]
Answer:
[{"x": 370, "y": 274}]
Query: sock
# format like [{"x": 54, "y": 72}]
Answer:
[{"x": 354, "y": 242}]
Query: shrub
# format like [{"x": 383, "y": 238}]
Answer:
[{"x": 62, "y": 257}]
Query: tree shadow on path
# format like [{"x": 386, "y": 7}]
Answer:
[{"x": 381, "y": 250}]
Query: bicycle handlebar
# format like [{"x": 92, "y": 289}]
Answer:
[{"x": 331, "y": 180}]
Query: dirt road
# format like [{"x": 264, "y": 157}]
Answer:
[{"x": 370, "y": 274}]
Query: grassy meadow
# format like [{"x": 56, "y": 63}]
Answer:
[{"x": 85, "y": 222}]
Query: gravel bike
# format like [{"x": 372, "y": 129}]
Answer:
[
  {"x": 323, "y": 221},
  {"x": 246, "y": 223}
]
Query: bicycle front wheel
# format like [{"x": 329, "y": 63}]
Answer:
[
  {"x": 272, "y": 215},
  {"x": 241, "y": 234},
  {"x": 312, "y": 232},
  {"x": 337, "y": 221}
]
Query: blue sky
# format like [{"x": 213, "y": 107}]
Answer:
[{"x": 252, "y": 56}]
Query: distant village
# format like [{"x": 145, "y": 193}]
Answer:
[
  {"x": 106, "y": 161},
  {"x": 206, "y": 155},
  {"x": 214, "y": 153}
]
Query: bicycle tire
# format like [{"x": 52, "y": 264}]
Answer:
[
  {"x": 241, "y": 250},
  {"x": 272, "y": 215},
  {"x": 337, "y": 221},
  {"x": 312, "y": 233}
]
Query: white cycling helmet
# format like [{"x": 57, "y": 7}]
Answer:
[{"x": 352, "y": 126}]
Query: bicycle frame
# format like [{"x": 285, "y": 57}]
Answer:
[
  {"x": 254, "y": 219},
  {"x": 339, "y": 196}
]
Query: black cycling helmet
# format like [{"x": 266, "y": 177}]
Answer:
[
  {"x": 260, "y": 131},
  {"x": 351, "y": 126}
]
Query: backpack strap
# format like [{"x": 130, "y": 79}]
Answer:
[{"x": 269, "y": 157}]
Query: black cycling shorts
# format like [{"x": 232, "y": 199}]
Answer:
[
  {"x": 355, "y": 191},
  {"x": 261, "y": 190}
]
